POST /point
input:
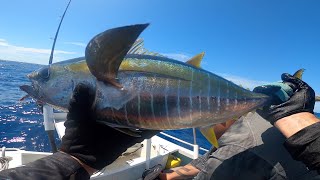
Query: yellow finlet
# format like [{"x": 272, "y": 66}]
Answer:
[
  {"x": 208, "y": 133},
  {"x": 299, "y": 73},
  {"x": 196, "y": 60}
]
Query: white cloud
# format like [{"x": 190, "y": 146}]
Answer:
[
  {"x": 177, "y": 56},
  {"x": 28, "y": 54},
  {"x": 3, "y": 42},
  {"x": 245, "y": 82},
  {"x": 76, "y": 44}
]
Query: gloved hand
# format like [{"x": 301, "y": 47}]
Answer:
[
  {"x": 302, "y": 100},
  {"x": 94, "y": 144}
]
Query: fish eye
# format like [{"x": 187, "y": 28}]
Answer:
[{"x": 44, "y": 73}]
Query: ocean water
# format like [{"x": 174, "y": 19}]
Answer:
[{"x": 21, "y": 123}]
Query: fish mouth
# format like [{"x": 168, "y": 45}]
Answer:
[{"x": 30, "y": 90}]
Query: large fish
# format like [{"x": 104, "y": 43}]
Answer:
[{"x": 139, "y": 89}]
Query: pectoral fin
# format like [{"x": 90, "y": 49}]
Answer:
[
  {"x": 105, "y": 52},
  {"x": 209, "y": 134},
  {"x": 125, "y": 130},
  {"x": 128, "y": 132}
]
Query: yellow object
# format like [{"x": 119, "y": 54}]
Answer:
[
  {"x": 209, "y": 134},
  {"x": 173, "y": 162},
  {"x": 196, "y": 60},
  {"x": 299, "y": 73}
]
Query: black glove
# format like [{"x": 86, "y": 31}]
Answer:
[
  {"x": 302, "y": 100},
  {"x": 95, "y": 144}
]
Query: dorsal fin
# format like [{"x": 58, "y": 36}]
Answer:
[
  {"x": 299, "y": 73},
  {"x": 196, "y": 60},
  {"x": 138, "y": 48},
  {"x": 137, "y": 45},
  {"x": 105, "y": 52}
]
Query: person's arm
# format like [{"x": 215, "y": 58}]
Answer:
[
  {"x": 187, "y": 171},
  {"x": 57, "y": 166},
  {"x": 303, "y": 133},
  {"x": 290, "y": 125},
  {"x": 190, "y": 170},
  {"x": 296, "y": 121}
]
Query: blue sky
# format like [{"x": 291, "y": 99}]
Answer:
[{"x": 248, "y": 41}]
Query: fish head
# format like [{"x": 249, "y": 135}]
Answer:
[
  {"x": 37, "y": 78},
  {"x": 52, "y": 85}
]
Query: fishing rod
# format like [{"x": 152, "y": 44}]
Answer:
[
  {"x": 55, "y": 38},
  {"x": 48, "y": 111}
]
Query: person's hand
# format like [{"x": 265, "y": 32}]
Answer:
[
  {"x": 94, "y": 144},
  {"x": 302, "y": 100}
]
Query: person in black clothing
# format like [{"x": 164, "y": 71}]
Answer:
[
  {"x": 84, "y": 149},
  {"x": 296, "y": 121}
]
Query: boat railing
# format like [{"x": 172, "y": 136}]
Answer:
[{"x": 183, "y": 142}]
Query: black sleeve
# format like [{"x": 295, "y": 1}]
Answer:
[
  {"x": 57, "y": 166},
  {"x": 305, "y": 146}
]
